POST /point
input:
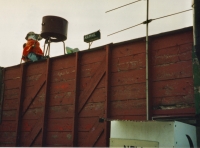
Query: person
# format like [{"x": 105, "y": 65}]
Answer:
[{"x": 31, "y": 49}]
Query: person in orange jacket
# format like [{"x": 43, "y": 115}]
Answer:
[{"x": 31, "y": 49}]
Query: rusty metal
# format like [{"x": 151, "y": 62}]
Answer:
[{"x": 54, "y": 28}]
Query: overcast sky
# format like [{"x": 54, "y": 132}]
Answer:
[{"x": 18, "y": 17}]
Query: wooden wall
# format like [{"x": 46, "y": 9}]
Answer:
[{"x": 58, "y": 102}]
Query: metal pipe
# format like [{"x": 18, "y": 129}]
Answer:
[
  {"x": 196, "y": 26},
  {"x": 147, "y": 64}
]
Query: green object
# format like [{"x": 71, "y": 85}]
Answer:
[
  {"x": 92, "y": 37},
  {"x": 70, "y": 50},
  {"x": 196, "y": 78}
]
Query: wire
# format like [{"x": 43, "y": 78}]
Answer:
[
  {"x": 125, "y": 29},
  {"x": 145, "y": 22},
  {"x": 171, "y": 14},
  {"x": 122, "y": 6}
]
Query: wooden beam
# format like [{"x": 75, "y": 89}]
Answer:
[
  {"x": 19, "y": 109},
  {"x": 75, "y": 115},
  {"x": 47, "y": 96},
  {"x": 91, "y": 86},
  {"x": 108, "y": 89}
]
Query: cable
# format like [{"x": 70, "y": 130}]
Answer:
[
  {"x": 122, "y": 6},
  {"x": 125, "y": 29},
  {"x": 171, "y": 14},
  {"x": 145, "y": 22}
]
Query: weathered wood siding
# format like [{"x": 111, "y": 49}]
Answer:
[{"x": 58, "y": 102}]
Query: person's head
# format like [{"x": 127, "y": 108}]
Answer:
[{"x": 34, "y": 36}]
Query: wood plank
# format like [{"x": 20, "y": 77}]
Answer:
[
  {"x": 19, "y": 106},
  {"x": 59, "y": 139},
  {"x": 101, "y": 142},
  {"x": 93, "y": 135},
  {"x": 60, "y": 125},
  {"x": 33, "y": 113},
  {"x": 93, "y": 109},
  {"x": 12, "y": 83},
  {"x": 11, "y": 93},
  {"x": 128, "y": 92},
  {"x": 38, "y": 100},
  {"x": 170, "y": 40},
  {"x": 129, "y": 117},
  {"x": 128, "y": 77},
  {"x": 32, "y": 79},
  {"x": 132, "y": 62},
  {"x": 34, "y": 133},
  {"x": 32, "y": 95},
  {"x": 63, "y": 98},
  {"x": 128, "y": 107},
  {"x": 92, "y": 56},
  {"x": 89, "y": 70},
  {"x": 35, "y": 68},
  {"x": 85, "y": 82},
  {"x": 131, "y": 48},
  {"x": 173, "y": 100},
  {"x": 7, "y": 126},
  {"x": 63, "y": 86},
  {"x": 63, "y": 75},
  {"x": 86, "y": 124},
  {"x": 64, "y": 111},
  {"x": 10, "y": 104},
  {"x": 172, "y": 71},
  {"x": 92, "y": 84},
  {"x": 99, "y": 95},
  {"x": 9, "y": 115},
  {"x": 12, "y": 73},
  {"x": 176, "y": 87},
  {"x": 128, "y": 112},
  {"x": 171, "y": 112},
  {"x": 36, "y": 143},
  {"x": 28, "y": 124},
  {"x": 7, "y": 137},
  {"x": 57, "y": 63},
  {"x": 172, "y": 54}
]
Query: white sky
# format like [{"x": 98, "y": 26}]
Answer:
[{"x": 18, "y": 17}]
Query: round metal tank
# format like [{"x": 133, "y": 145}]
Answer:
[{"x": 54, "y": 27}]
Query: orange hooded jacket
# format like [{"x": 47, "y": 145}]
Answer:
[{"x": 31, "y": 46}]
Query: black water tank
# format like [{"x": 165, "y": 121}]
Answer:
[{"x": 54, "y": 27}]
